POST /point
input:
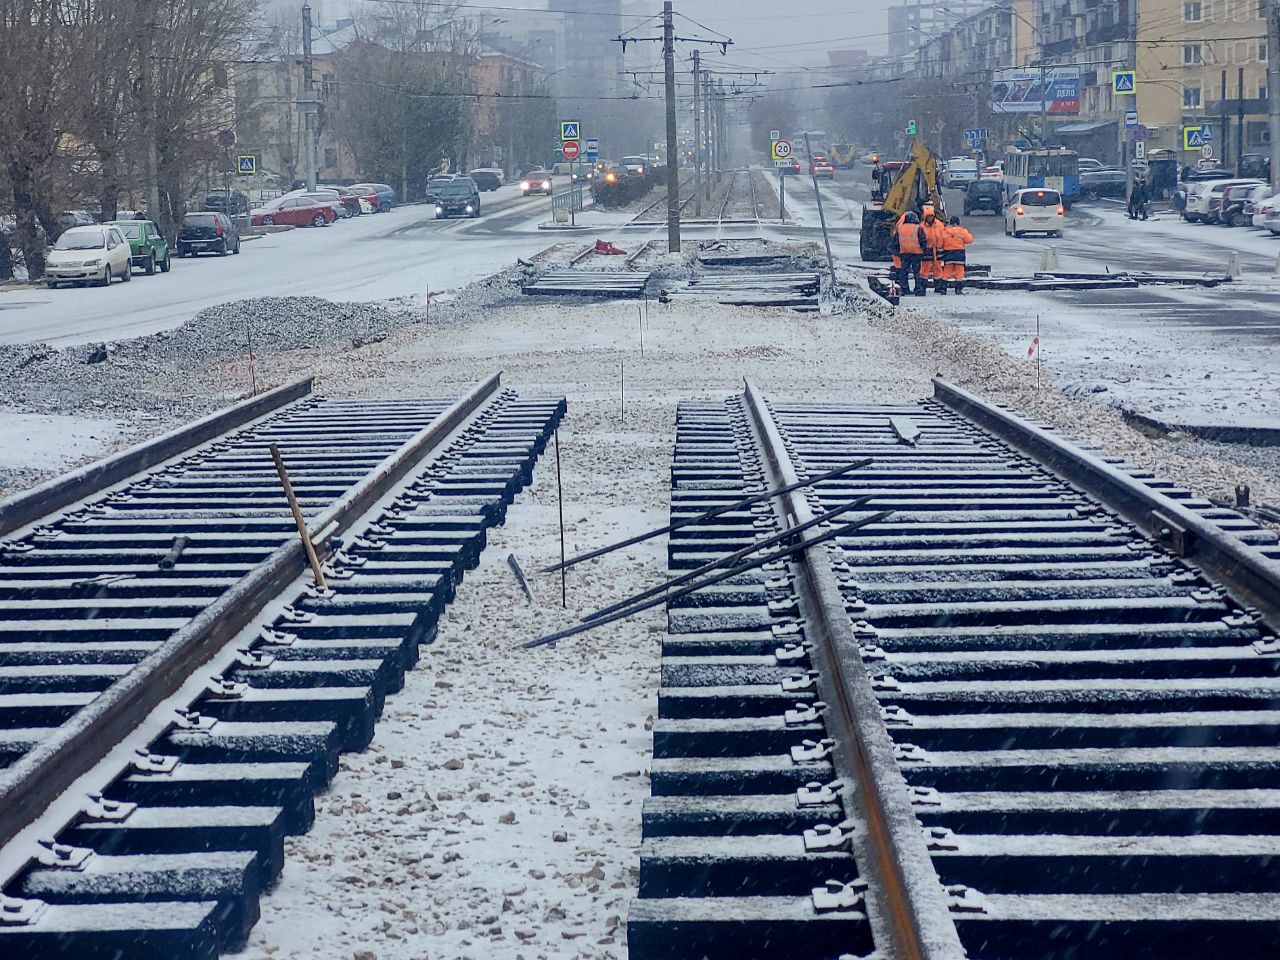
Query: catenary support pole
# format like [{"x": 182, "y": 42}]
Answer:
[
  {"x": 710, "y": 133},
  {"x": 673, "y": 146},
  {"x": 309, "y": 106},
  {"x": 697, "y": 135},
  {"x": 822, "y": 217}
]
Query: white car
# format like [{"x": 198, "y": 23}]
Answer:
[
  {"x": 1272, "y": 219},
  {"x": 961, "y": 171},
  {"x": 1035, "y": 210},
  {"x": 1204, "y": 198},
  {"x": 1264, "y": 209},
  {"x": 1089, "y": 165},
  {"x": 88, "y": 254}
]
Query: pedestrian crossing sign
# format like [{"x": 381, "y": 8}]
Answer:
[
  {"x": 1192, "y": 138},
  {"x": 569, "y": 130},
  {"x": 1124, "y": 81},
  {"x": 247, "y": 165}
]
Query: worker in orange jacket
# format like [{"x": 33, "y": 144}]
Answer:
[
  {"x": 954, "y": 239},
  {"x": 931, "y": 267},
  {"x": 911, "y": 244}
]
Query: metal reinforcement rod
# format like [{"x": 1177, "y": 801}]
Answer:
[
  {"x": 592, "y": 624},
  {"x": 37, "y": 779},
  {"x": 728, "y": 559},
  {"x": 1241, "y": 568},
  {"x": 708, "y": 515},
  {"x": 916, "y": 920},
  {"x": 46, "y": 498}
]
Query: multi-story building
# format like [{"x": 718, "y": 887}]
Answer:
[{"x": 914, "y": 23}]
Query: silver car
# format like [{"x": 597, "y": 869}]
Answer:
[{"x": 89, "y": 255}]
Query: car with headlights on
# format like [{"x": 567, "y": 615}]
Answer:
[
  {"x": 458, "y": 198},
  {"x": 88, "y": 255},
  {"x": 537, "y": 181}
]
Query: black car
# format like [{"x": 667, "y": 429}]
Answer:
[
  {"x": 207, "y": 232},
  {"x": 486, "y": 179},
  {"x": 1107, "y": 182},
  {"x": 231, "y": 202},
  {"x": 984, "y": 195},
  {"x": 458, "y": 198}
]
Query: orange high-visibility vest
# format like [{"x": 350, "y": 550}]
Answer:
[
  {"x": 909, "y": 238},
  {"x": 955, "y": 237}
]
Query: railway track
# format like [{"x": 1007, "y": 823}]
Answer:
[
  {"x": 1028, "y": 709},
  {"x": 173, "y": 690}
]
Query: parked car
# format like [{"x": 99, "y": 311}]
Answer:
[
  {"x": 538, "y": 181},
  {"x": 790, "y": 168},
  {"x": 821, "y": 168},
  {"x": 75, "y": 218},
  {"x": 231, "y": 202},
  {"x": 147, "y": 249},
  {"x": 1233, "y": 211},
  {"x": 458, "y": 198},
  {"x": 87, "y": 254},
  {"x": 334, "y": 199},
  {"x": 369, "y": 201},
  {"x": 386, "y": 196},
  {"x": 1089, "y": 165},
  {"x": 1232, "y": 192},
  {"x": 349, "y": 198},
  {"x": 1035, "y": 210},
  {"x": 1191, "y": 177},
  {"x": 1271, "y": 220},
  {"x": 983, "y": 195},
  {"x": 1105, "y": 182},
  {"x": 207, "y": 232},
  {"x": 1204, "y": 201},
  {"x": 1263, "y": 209},
  {"x": 487, "y": 178},
  {"x": 961, "y": 171},
  {"x": 294, "y": 211}
]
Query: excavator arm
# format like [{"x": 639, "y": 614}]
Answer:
[{"x": 915, "y": 186}]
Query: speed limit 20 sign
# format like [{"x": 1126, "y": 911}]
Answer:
[{"x": 781, "y": 149}]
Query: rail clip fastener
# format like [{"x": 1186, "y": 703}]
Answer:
[
  {"x": 910, "y": 753},
  {"x": 1267, "y": 647},
  {"x": 816, "y": 794},
  {"x": 838, "y": 895},
  {"x": 940, "y": 838},
  {"x": 146, "y": 762},
  {"x": 803, "y": 714},
  {"x": 223, "y": 688},
  {"x": 871, "y": 653},
  {"x": 962, "y": 899},
  {"x": 62, "y": 855},
  {"x": 277, "y": 638},
  {"x": 791, "y": 653},
  {"x": 800, "y": 681},
  {"x": 895, "y": 716},
  {"x": 194, "y": 720},
  {"x": 100, "y": 809},
  {"x": 812, "y": 751},
  {"x": 20, "y": 912},
  {"x": 789, "y": 628},
  {"x": 925, "y": 797},
  {"x": 824, "y": 837}
]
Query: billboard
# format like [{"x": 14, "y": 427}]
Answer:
[{"x": 1018, "y": 90}]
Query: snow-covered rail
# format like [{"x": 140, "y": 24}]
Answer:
[
  {"x": 173, "y": 690},
  {"x": 1008, "y": 715}
]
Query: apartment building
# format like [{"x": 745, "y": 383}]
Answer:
[{"x": 1204, "y": 62}]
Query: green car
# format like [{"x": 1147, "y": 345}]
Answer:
[{"x": 147, "y": 249}]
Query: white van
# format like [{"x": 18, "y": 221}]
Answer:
[{"x": 961, "y": 171}]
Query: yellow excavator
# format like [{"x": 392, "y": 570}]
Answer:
[{"x": 896, "y": 188}]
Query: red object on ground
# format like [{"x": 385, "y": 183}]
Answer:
[{"x": 607, "y": 247}]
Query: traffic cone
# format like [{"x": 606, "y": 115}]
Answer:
[
  {"x": 1233, "y": 265},
  {"x": 1049, "y": 260}
]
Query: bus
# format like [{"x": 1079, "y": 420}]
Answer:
[{"x": 1053, "y": 168}]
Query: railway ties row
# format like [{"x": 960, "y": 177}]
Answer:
[
  {"x": 1002, "y": 721},
  {"x": 168, "y": 841}
]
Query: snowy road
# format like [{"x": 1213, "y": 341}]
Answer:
[
  {"x": 370, "y": 258},
  {"x": 1207, "y": 353}
]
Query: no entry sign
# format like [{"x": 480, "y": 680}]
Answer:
[{"x": 570, "y": 149}]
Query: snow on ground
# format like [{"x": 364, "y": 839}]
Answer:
[{"x": 35, "y": 444}]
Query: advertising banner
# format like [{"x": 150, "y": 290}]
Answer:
[{"x": 1018, "y": 90}]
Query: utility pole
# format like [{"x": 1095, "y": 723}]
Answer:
[
  {"x": 697, "y": 134},
  {"x": 307, "y": 102},
  {"x": 706, "y": 125},
  {"x": 722, "y": 128},
  {"x": 673, "y": 147},
  {"x": 1240, "y": 121},
  {"x": 822, "y": 217},
  {"x": 1273, "y": 88},
  {"x": 148, "y": 93}
]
